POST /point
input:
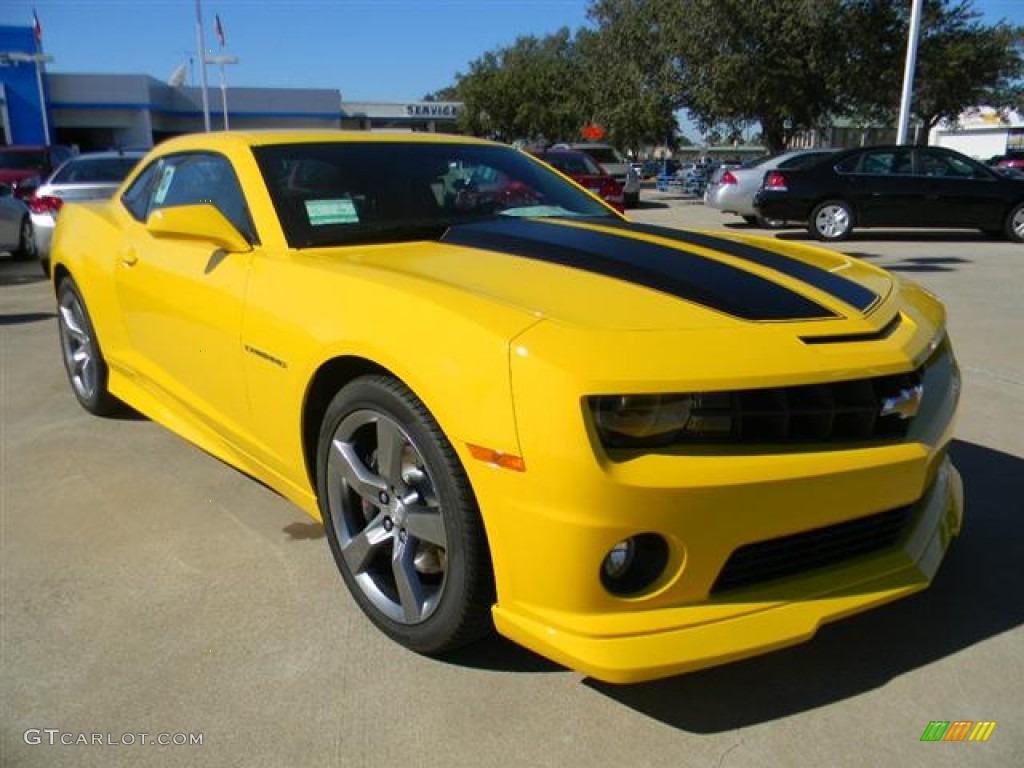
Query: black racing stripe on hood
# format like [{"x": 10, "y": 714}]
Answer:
[
  {"x": 854, "y": 294},
  {"x": 676, "y": 272}
]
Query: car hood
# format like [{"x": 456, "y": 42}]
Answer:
[{"x": 624, "y": 276}]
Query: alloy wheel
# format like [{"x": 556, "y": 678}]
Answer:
[
  {"x": 387, "y": 516},
  {"x": 78, "y": 346}
]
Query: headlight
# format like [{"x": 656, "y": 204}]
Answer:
[{"x": 648, "y": 421}]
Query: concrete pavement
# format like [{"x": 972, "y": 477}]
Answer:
[{"x": 147, "y": 588}]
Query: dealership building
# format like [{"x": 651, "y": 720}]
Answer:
[{"x": 103, "y": 111}]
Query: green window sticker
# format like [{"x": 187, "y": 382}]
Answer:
[
  {"x": 342, "y": 211},
  {"x": 165, "y": 183}
]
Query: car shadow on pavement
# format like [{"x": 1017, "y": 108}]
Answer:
[
  {"x": 898, "y": 236},
  {"x": 500, "y": 654},
  {"x": 975, "y": 596},
  {"x": 7, "y": 278},
  {"x": 22, "y": 318}
]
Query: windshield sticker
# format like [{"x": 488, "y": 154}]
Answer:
[
  {"x": 322, "y": 212},
  {"x": 165, "y": 184}
]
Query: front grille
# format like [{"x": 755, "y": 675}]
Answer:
[
  {"x": 842, "y": 411},
  {"x": 801, "y": 552}
]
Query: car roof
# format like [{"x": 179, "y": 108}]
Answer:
[
  {"x": 236, "y": 139},
  {"x": 112, "y": 153}
]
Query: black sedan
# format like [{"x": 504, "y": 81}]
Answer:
[{"x": 894, "y": 186}]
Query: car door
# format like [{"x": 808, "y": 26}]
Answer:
[
  {"x": 884, "y": 189},
  {"x": 960, "y": 192},
  {"x": 182, "y": 300}
]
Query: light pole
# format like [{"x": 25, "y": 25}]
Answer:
[
  {"x": 220, "y": 61},
  {"x": 38, "y": 59},
  {"x": 908, "y": 72}
]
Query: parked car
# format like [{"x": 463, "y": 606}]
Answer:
[
  {"x": 23, "y": 168},
  {"x": 614, "y": 164},
  {"x": 637, "y": 450},
  {"x": 894, "y": 186},
  {"x": 1013, "y": 159},
  {"x": 732, "y": 189},
  {"x": 15, "y": 226},
  {"x": 687, "y": 178},
  {"x": 90, "y": 176},
  {"x": 579, "y": 167}
]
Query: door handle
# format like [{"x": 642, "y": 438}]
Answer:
[{"x": 129, "y": 257}]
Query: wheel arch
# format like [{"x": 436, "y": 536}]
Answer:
[{"x": 330, "y": 377}]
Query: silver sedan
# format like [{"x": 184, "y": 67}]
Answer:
[
  {"x": 15, "y": 227},
  {"x": 90, "y": 176},
  {"x": 732, "y": 190}
]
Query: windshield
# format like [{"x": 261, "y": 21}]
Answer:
[
  {"x": 95, "y": 169},
  {"x": 336, "y": 193},
  {"x": 572, "y": 163},
  {"x": 607, "y": 155}
]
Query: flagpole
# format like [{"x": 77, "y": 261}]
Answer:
[
  {"x": 202, "y": 64},
  {"x": 39, "y": 58},
  {"x": 224, "y": 95},
  {"x": 42, "y": 92}
]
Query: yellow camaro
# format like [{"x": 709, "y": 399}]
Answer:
[{"x": 635, "y": 450}]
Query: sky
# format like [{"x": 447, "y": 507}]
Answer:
[{"x": 370, "y": 50}]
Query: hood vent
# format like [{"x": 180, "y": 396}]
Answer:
[{"x": 844, "y": 338}]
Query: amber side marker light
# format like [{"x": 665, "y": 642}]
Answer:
[{"x": 497, "y": 458}]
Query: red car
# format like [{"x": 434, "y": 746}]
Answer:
[
  {"x": 588, "y": 174},
  {"x": 1011, "y": 160},
  {"x": 23, "y": 168}
]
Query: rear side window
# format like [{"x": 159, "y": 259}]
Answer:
[
  {"x": 95, "y": 169},
  {"x": 190, "y": 179},
  {"x": 801, "y": 160}
]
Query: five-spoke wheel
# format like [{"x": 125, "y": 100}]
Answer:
[
  {"x": 401, "y": 518},
  {"x": 83, "y": 360}
]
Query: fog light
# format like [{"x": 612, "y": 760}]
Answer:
[
  {"x": 634, "y": 564},
  {"x": 619, "y": 559}
]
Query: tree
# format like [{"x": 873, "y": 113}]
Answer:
[
  {"x": 963, "y": 63},
  {"x": 531, "y": 89},
  {"x": 740, "y": 61}
]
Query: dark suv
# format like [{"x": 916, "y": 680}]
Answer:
[{"x": 23, "y": 168}]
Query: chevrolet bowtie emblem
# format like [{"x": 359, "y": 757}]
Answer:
[{"x": 904, "y": 405}]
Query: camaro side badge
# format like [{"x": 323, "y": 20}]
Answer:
[{"x": 905, "y": 404}]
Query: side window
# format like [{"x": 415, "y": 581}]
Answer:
[
  {"x": 136, "y": 197},
  {"x": 849, "y": 164},
  {"x": 192, "y": 179}
]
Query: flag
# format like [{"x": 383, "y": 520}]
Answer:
[
  {"x": 37, "y": 28},
  {"x": 219, "y": 29}
]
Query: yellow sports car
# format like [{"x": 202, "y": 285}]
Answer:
[{"x": 635, "y": 450}]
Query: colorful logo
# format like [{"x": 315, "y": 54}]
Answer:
[{"x": 958, "y": 730}]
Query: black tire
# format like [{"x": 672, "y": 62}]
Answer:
[
  {"x": 831, "y": 221},
  {"x": 1014, "y": 227},
  {"x": 401, "y": 519},
  {"x": 631, "y": 201},
  {"x": 752, "y": 220},
  {"x": 83, "y": 358},
  {"x": 26, "y": 250}
]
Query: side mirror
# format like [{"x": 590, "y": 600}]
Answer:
[{"x": 197, "y": 222}]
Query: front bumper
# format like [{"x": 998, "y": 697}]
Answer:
[
  {"x": 756, "y": 620},
  {"x": 550, "y": 527}
]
